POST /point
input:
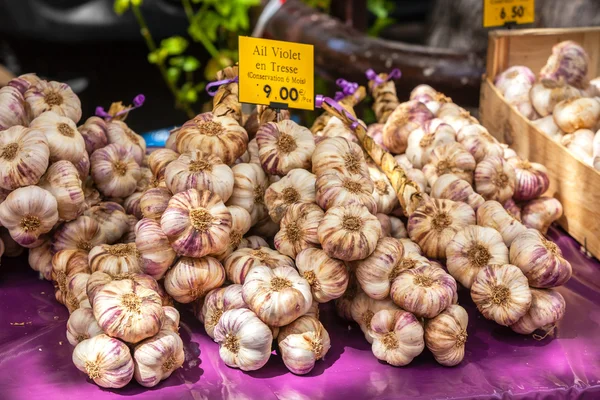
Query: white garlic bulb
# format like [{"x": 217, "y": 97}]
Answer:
[
  {"x": 298, "y": 186},
  {"x": 112, "y": 219},
  {"x": 495, "y": 179},
  {"x": 581, "y": 113},
  {"x": 541, "y": 213},
  {"x": 250, "y": 183},
  {"x": 241, "y": 222},
  {"x": 549, "y": 127},
  {"x": 65, "y": 264},
  {"x": 192, "y": 278},
  {"x": 328, "y": 277},
  {"x": 398, "y": 229},
  {"x": 446, "y": 334},
  {"x": 450, "y": 159},
  {"x": 240, "y": 262},
  {"x": 339, "y": 156},
  {"x": 39, "y": 258},
  {"x": 93, "y": 132},
  {"x": 115, "y": 171},
  {"x": 154, "y": 202},
  {"x": 580, "y": 143},
  {"x": 451, "y": 187},
  {"x": 156, "y": 358},
  {"x": 302, "y": 343},
  {"x": 547, "y": 308},
  {"x": 299, "y": 229},
  {"x": 82, "y": 325},
  {"x": 57, "y": 97},
  {"x": 479, "y": 142},
  {"x": 83, "y": 233},
  {"x": 424, "y": 139},
  {"x": 397, "y": 337},
  {"x": 363, "y": 308},
  {"x": 493, "y": 215},
  {"x": 407, "y": 117},
  {"x": 531, "y": 179},
  {"x": 62, "y": 180},
  {"x": 119, "y": 133},
  {"x": 159, "y": 159},
  {"x": 567, "y": 63},
  {"x": 383, "y": 192},
  {"x": 545, "y": 96},
  {"x": 155, "y": 251},
  {"x": 283, "y": 146},
  {"x": 115, "y": 259},
  {"x": 12, "y": 108},
  {"x": 217, "y": 302},
  {"x": 24, "y": 157},
  {"x": 253, "y": 242},
  {"x": 64, "y": 140},
  {"x": 337, "y": 189}
]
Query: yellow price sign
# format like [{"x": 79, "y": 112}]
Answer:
[
  {"x": 272, "y": 71},
  {"x": 501, "y": 12}
]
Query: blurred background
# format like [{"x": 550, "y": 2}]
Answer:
[{"x": 112, "y": 50}]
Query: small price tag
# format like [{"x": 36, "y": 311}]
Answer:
[
  {"x": 501, "y": 12},
  {"x": 272, "y": 71}
]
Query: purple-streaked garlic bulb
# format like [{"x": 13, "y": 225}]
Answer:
[
  {"x": 406, "y": 118},
  {"x": 531, "y": 179},
  {"x": 567, "y": 63},
  {"x": 541, "y": 213}
]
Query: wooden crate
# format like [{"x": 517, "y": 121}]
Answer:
[{"x": 574, "y": 183}]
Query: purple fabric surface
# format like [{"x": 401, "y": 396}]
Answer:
[{"x": 35, "y": 358}]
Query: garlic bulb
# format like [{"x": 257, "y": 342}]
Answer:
[
  {"x": 531, "y": 179},
  {"x": 363, "y": 309},
  {"x": 222, "y": 137},
  {"x": 250, "y": 183},
  {"x": 132, "y": 205},
  {"x": 386, "y": 225},
  {"x": 217, "y": 302},
  {"x": 446, "y": 334},
  {"x": 24, "y": 156},
  {"x": 115, "y": 171},
  {"x": 299, "y": 229},
  {"x": 65, "y": 264},
  {"x": 192, "y": 278},
  {"x": 112, "y": 219},
  {"x": 76, "y": 295},
  {"x": 451, "y": 187},
  {"x": 328, "y": 277},
  {"x": 252, "y": 242},
  {"x": 83, "y": 233},
  {"x": 156, "y": 358},
  {"x": 284, "y": 146},
  {"x": 62, "y": 180},
  {"x": 492, "y": 214},
  {"x": 93, "y": 132},
  {"x": 298, "y": 186},
  {"x": 397, "y": 337},
  {"x": 425, "y": 291},
  {"x": 82, "y": 325},
  {"x": 418, "y": 177},
  {"x": 336, "y": 128},
  {"x": 12, "y": 108},
  {"x": 471, "y": 249},
  {"x": 430, "y": 97},
  {"x": 99, "y": 279},
  {"x": 541, "y": 213},
  {"x": 171, "y": 320},
  {"x": 64, "y": 140},
  {"x": 582, "y": 113},
  {"x": 501, "y": 293},
  {"x": 119, "y": 133},
  {"x": 302, "y": 343},
  {"x": 406, "y": 118},
  {"x": 28, "y": 212},
  {"x": 398, "y": 230},
  {"x": 540, "y": 260},
  {"x": 278, "y": 296},
  {"x": 513, "y": 209},
  {"x": 349, "y": 233},
  {"x": 197, "y": 223},
  {"x": 450, "y": 159},
  {"x": 115, "y": 259},
  {"x": 253, "y": 152},
  {"x": 40, "y": 258},
  {"x": 547, "y": 308},
  {"x": 196, "y": 170},
  {"x": 244, "y": 340},
  {"x": 375, "y": 132},
  {"x": 549, "y": 127},
  {"x": 424, "y": 139},
  {"x": 337, "y": 155},
  {"x": 545, "y": 96},
  {"x": 580, "y": 143},
  {"x": 155, "y": 252},
  {"x": 154, "y": 202},
  {"x": 106, "y": 360},
  {"x": 240, "y": 262},
  {"x": 159, "y": 159},
  {"x": 478, "y": 141},
  {"x": 240, "y": 224},
  {"x": 383, "y": 192},
  {"x": 128, "y": 311},
  {"x": 433, "y": 225},
  {"x": 495, "y": 179},
  {"x": 53, "y": 96},
  {"x": 568, "y": 63},
  {"x": 344, "y": 189}
]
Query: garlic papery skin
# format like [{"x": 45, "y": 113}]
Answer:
[
  {"x": 197, "y": 223},
  {"x": 336, "y": 128},
  {"x": 217, "y": 302},
  {"x": 495, "y": 179},
  {"x": 433, "y": 225},
  {"x": 278, "y": 296},
  {"x": 62, "y": 180},
  {"x": 541, "y": 213},
  {"x": 155, "y": 251},
  {"x": 196, "y": 170},
  {"x": 547, "y": 308},
  {"x": 284, "y": 146},
  {"x": 397, "y": 337},
  {"x": 450, "y": 159},
  {"x": 545, "y": 96},
  {"x": 238, "y": 264},
  {"x": 580, "y": 143},
  {"x": 337, "y": 155},
  {"x": 244, "y": 340},
  {"x": 112, "y": 219},
  {"x": 128, "y": 311},
  {"x": 115, "y": 171},
  {"x": 241, "y": 222},
  {"x": 430, "y": 97},
  {"x": 98, "y": 280},
  {"x": 549, "y": 127},
  {"x": 349, "y": 233},
  {"x": 402, "y": 121},
  {"x": 478, "y": 141},
  {"x": 13, "y": 110},
  {"x": 425, "y": 138},
  {"x": 344, "y": 189},
  {"x": 582, "y": 113},
  {"x": 57, "y": 97},
  {"x": 386, "y": 225},
  {"x": 24, "y": 156},
  {"x": 375, "y": 132},
  {"x": 132, "y": 206},
  {"x": 328, "y": 277},
  {"x": 451, "y": 187},
  {"x": 192, "y": 278},
  {"x": 531, "y": 179},
  {"x": 383, "y": 192},
  {"x": 156, "y": 358},
  {"x": 299, "y": 229},
  {"x": 473, "y": 248},
  {"x": 425, "y": 291},
  {"x": 302, "y": 343},
  {"x": 28, "y": 213},
  {"x": 65, "y": 264},
  {"x": 76, "y": 295},
  {"x": 253, "y": 242},
  {"x": 540, "y": 260},
  {"x": 298, "y": 186},
  {"x": 39, "y": 258},
  {"x": 363, "y": 309},
  {"x": 446, "y": 334},
  {"x": 154, "y": 202},
  {"x": 119, "y": 133},
  {"x": 250, "y": 183},
  {"x": 159, "y": 159},
  {"x": 516, "y": 75},
  {"x": 64, "y": 140},
  {"x": 568, "y": 63},
  {"x": 106, "y": 360},
  {"x": 24, "y": 82},
  {"x": 513, "y": 209},
  {"x": 222, "y": 137},
  {"x": 115, "y": 259},
  {"x": 146, "y": 180},
  {"x": 171, "y": 320},
  {"x": 501, "y": 293},
  {"x": 418, "y": 177},
  {"x": 83, "y": 233},
  {"x": 493, "y": 215},
  {"x": 93, "y": 132},
  {"x": 82, "y": 325},
  {"x": 398, "y": 230}
]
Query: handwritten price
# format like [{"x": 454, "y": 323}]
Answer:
[{"x": 517, "y": 12}]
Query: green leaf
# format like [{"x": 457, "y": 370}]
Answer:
[
  {"x": 173, "y": 74},
  {"x": 136, "y": 3},
  {"x": 191, "y": 96},
  {"x": 121, "y": 6},
  {"x": 204, "y": 26},
  {"x": 190, "y": 64},
  {"x": 174, "y": 45},
  {"x": 153, "y": 57},
  {"x": 177, "y": 61},
  {"x": 379, "y": 25}
]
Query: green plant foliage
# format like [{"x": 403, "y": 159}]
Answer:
[{"x": 381, "y": 9}]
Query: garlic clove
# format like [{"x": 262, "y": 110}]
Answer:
[
  {"x": 156, "y": 358},
  {"x": 43, "y": 96},
  {"x": 493, "y": 215},
  {"x": 397, "y": 337},
  {"x": 159, "y": 159},
  {"x": 446, "y": 334},
  {"x": 155, "y": 251},
  {"x": 171, "y": 320},
  {"x": 192, "y": 278},
  {"x": 82, "y": 325},
  {"x": 402, "y": 121},
  {"x": 501, "y": 293},
  {"x": 339, "y": 156},
  {"x": 302, "y": 343},
  {"x": 115, "y": 171},
  {"x": 62, "y": 180},
  {"x": 451, "y": 187},
  {"x": 450, "y": 159},
  {"x": 24, "y": 157},
  {"x": 547, "y": 308},
  {"x": 154, "y": 202},
  {"x": 299, "y": 229},
  {"x": 93, "y": 132},
  {"x": 217, "y": 302},
  {"x": 298, "y": 186},
  {"x": 118, "y": 132},
  {"x": 344, "y": 189},
  {"x": 363, "y": 309},
  {"x": 250, "y": 183},
  {"x": 531, "y": 179},
  {"x": 580, "y": 113},
  {"x": 541, "y": 213},
  {"x": 284, "y": 146},
  {"x": 568, "y": 63},
  {"x": 328, "y": 277},
  {"x": 240, "y": 262},
  {"x": 106, "y": 360},
  {"x": 40, "y": 258},
  {"x": 495, "y": 179}
]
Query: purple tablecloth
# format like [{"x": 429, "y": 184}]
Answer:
[{"x": 35, "y": 357}]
